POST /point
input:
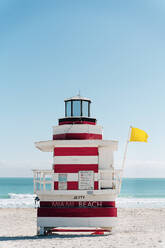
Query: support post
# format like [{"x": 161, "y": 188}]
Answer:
[
  {"x": 40, "y": 179},
  {"x": 44, "y": 188},
  {"x": 34, "y": 181},
  {"x": 52, "y": 183}
]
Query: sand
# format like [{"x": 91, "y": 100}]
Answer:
[{"x": 135, "y": 228}]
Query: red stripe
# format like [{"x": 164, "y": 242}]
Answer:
[
  {"x": 75, "y": 151},
  {"x": 74, "y": 168},
  {"x": 96, "y": 185},
  {"x": 77, "y": 122},
  {"x": 96, "y": 231},
  {"x": 78, "y": 204},
  {"x": 55, "y": 185},
  {"x": 77, "y": 212},
  {"x": 73, "y": 185},
  {"x": 81, "y": 136}
]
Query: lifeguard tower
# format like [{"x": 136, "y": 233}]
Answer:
[{"x": 80, "y": 189}]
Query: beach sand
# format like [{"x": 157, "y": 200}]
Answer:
[{"x": 135, "y": 228}]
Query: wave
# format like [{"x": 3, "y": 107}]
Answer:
[
  {"x": 123, "y": 202},
  {"x": 21, "y": 196},
  {"x": 18, "y": 201},
  {"x": 27, "y": 201}
]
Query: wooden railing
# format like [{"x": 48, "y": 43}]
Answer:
[
  {"x": 44, "y": 180},
  {"x": 111, "y": 178}
]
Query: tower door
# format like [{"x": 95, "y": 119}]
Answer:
[{"x": 105, "y": 158}]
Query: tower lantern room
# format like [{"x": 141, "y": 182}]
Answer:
[
  {"x": 77, "y": 110},
  {"x": 77, "y": 107}
]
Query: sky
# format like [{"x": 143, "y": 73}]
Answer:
[{"x": 112, "y": 51}]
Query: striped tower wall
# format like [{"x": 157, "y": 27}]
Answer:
[
  {"x": 71, "y": 160},
  {"x": 77, "y": 131},
  {"x": 67, "y": 164}
]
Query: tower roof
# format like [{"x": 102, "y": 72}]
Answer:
[{"x": 78, "y": 97}]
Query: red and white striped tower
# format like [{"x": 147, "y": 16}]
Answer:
[{"x": 81, "y": 188}]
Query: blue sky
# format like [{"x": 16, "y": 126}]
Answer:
[{"x": 112, "y": 51}]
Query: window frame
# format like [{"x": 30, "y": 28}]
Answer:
[
  {"x": 66, "y": 114},
  {"x": 81, "y": 108}
]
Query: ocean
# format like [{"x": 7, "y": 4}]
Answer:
[{"x": 135, "y": 192}]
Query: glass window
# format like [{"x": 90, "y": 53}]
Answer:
[
  {"x": 85, "y": 108},
  {"x": 76, "y": 108},
  {"x": 68, "y": 108}
]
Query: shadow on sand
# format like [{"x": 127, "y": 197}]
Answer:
[{"x": 59, "y": 236}]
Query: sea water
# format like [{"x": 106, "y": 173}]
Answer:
[{"x": 135, "y": 192}]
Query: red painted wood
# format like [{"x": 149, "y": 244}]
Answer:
[
  {"x": 77, "y": 122},
  {"x": 77, "y": 204},
  {"x": 96, "y": 185},
  {"x": 75, "y": 151},
  {"x": 56, "y": 185},
  {"x": 97, "y": 231},
  {"x": 77, "y": 136},
  {"x": 77, "y": 212},
  {"x": 74, "y": 168},
  {"x": 72, "y": 185}
]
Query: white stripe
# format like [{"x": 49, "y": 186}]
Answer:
[
  {"x": 48, "y": 146},
  {"x": 59, "y": 195},
  {"x": 76, "y": 128},
  {"x": 72, "y": 176},
  {"x": 75, "y": 160},
  {"x": 76, "y": 221}
]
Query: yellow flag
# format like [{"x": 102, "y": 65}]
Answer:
[{"x": 138, "y": 135}]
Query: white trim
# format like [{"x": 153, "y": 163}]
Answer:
[
  {"x": 76, "y": 221},
  {"x": 76, "y": 128},
  {"x": 48, "y": 146},
  {"x": 75, "y": 160},
  {"x": 105, "y": 192},
  {"x": 74, "y": 197},
  {"x": 78, "y": 97}
]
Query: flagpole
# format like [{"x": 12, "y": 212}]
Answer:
[
  {"x": 126, "y": 148},
  {"x": 124, "y": 157}
]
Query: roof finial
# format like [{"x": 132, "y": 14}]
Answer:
[{"x": 79, "y": 93}]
